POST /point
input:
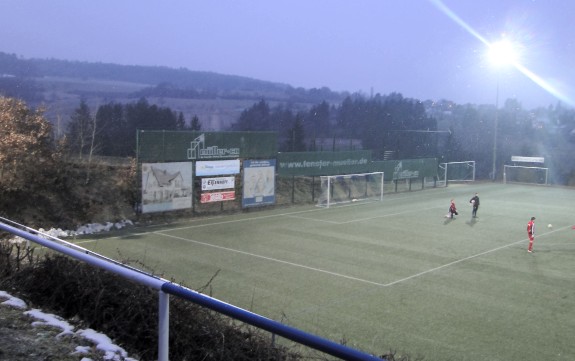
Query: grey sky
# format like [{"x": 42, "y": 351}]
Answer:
[{"x": 406, "y": 46}]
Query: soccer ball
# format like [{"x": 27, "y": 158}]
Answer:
[{"x": 549, "y": 225}]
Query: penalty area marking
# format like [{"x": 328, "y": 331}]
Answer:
[
  {"x": 401, "y": 280},
  {"x": 271, "y": 259},
  {"x": 286, "y": 214},
  {"x": 362, "y": 219}
]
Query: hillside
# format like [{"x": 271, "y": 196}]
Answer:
[{"x": 216, "y": 99}]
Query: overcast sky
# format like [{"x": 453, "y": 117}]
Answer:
[{"x": 407, "y": 46}]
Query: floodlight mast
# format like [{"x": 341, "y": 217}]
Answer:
[{"x": 500, "y": 53}]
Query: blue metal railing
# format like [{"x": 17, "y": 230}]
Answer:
[{"x": 166, "y": 288}]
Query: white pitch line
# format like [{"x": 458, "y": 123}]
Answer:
[
  {"x": 393, "y": 197},
  {"x": 205, "y": 224},
  {"x": 452, "y": 263},
  {"x": 312, "y": 219},
  {"x": 362, "y": 219},
  {"x": 272, "y": 259},
  {"x": 467, "y": 258},
  {"x": 242, "y": 220},
  {"x": 351, "y": 277},
  {"x": 389, "y": 215}
]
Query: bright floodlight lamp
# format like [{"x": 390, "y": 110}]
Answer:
[{"x": 503, "y": 52}]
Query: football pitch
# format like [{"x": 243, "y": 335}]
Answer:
[{"x": 389, "y": 276}]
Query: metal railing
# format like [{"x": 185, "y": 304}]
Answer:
[{"x": 166, "y": 288}]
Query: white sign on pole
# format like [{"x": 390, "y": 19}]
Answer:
[{"x": 516, "y": 158}]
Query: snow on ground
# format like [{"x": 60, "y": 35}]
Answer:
[
  {"x": 89, "y": 228},
  {"x": 102, "y": 342}
]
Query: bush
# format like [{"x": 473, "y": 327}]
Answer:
[{"x": 128, "y": 313}]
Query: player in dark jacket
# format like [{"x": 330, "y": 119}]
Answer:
[{"x": 475, "y": 204}]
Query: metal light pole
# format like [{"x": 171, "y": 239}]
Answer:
[
  {"x": 495, "y": 126},
  {"x": 501, "y": 53}
]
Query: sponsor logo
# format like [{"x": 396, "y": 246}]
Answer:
[
  {"x": 199, "y": 150},
  {"x": 217, "y": 197},
  {"x": 217, "y": 183},
  {"x": 400, "y": 173}
]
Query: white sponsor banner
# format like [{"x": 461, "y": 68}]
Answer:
[
  {"x": 210, "y": 184},
  {"x": 516, "y": 158},
  {"x": 217, "y": 167}
]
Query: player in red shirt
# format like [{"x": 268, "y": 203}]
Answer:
[
  {"x": 531, "y": 233},
  {"x": 452, "y": 209}
]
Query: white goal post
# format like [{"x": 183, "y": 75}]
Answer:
[
  {"x": 457, "y": 171},
  {"x": 346, "y": 188},
  {"x": 521, "y": 174}
]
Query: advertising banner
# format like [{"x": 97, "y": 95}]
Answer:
[
  {"x": 323, "y": 163},
  {"x": 210, "y": 184},
  {"x": 166, "y": 186},
  {"x": 217, "y": 167},
  {"x": 217, "y": 197},
  {"x": 179, "y": 146},
  {"x": 406, "y": 168},
  {"x": 259, "y": 183}
]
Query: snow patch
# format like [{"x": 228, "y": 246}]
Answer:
[
  {"x": 12, "y": 301},
  {"x": 102, "y": 342}
]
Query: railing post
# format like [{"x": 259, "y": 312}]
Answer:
[{"x": 163, "y": 326}]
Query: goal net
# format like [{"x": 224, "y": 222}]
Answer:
[
  {"x": 345, "y": 188},
  {"x": 457, "y": 171},
  {"x": 520, "y": 174}
]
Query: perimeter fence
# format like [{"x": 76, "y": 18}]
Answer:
[{"x": 218, "y": 172}]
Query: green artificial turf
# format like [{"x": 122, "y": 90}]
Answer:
[{"x": 393, "y": 275}]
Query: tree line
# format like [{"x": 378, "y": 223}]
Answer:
[
  {"x": 391, "y": 126},
  {"x": 383, "y": 124},
  {"x": 111, "y": 131}
]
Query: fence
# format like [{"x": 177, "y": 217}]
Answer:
[{"x": 167, "y": 288}]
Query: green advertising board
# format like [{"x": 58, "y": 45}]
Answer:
[
  {"x": 176, "y": 146},
  {"x": 406, "y": 168},
  {"x": 323, "y": 163}
]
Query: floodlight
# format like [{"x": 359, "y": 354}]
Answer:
[{"x": 503, "y": 52}]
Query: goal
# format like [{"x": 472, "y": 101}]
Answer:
[
  {"x": 345, "y": 188},
  {"x": 520, "y": 174},
  {"x": 457, "y": 171}
]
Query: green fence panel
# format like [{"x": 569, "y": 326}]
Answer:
[
  {"x": 406, "y": 168},
  {"x": 177, "y": 146},
  {"x": 323, "y": 163}
]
